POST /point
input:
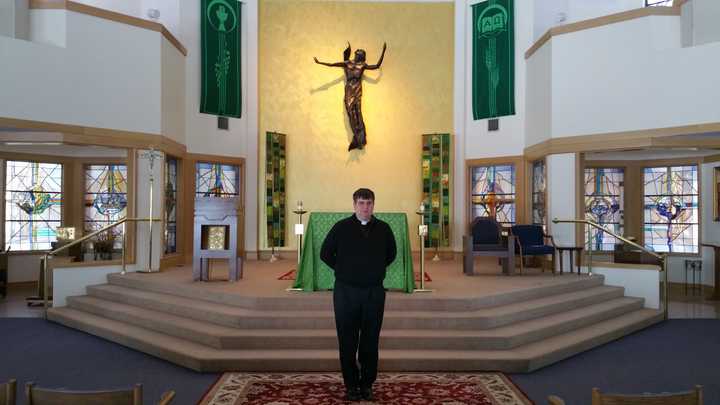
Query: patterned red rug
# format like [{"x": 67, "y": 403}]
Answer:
[
  {"x": 290, "y": 275},
  {"x": 392, "y": 389}
]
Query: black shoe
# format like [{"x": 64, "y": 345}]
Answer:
[
  {"x": 366, "y": 393},
  {"x": 353, "y": 394}
]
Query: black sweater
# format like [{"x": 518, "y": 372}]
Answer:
[{"x": 359, "y": 254}]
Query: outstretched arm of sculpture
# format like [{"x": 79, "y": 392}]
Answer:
[
  {"x": 336, "y": 64},
  {"x": 382, "y": 55}
]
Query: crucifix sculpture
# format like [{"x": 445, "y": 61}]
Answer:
[{"x": 353, "y": 90}]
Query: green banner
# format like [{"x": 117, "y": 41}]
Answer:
[
  {"x": 493, "y": 59},
  {"x": 275, "y": 188},
  {"x": 220, "y": 35},
  {"x": 436, "y": 188}
]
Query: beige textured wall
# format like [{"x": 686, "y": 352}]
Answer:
[{"x": 410, "y": 95}]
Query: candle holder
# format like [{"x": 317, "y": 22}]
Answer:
[
  {"x": 273, "y": 258},
  {"x": 422, "y": 232},
  {"x": 299, "y": 231}
]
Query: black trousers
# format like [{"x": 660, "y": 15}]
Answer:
[{"x": 358, "y": 319}]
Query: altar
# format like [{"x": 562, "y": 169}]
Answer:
[{"x": 314, "y": 275}]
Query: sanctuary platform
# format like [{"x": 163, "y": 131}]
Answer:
[{"x": 486, "y": 322}]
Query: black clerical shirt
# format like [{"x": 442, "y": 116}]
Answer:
[{"x": 359, "y": 254}]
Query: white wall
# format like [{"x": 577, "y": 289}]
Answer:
[
  {"x": 127, "y": 7},
  {"x": 14, "y": 20},
  {"x": 108, "y": 76},
  {"x": 241, "y": 140},
  {"x": 169, "y": 14},
  {"x": 173, "y": 93},
  {"x": 638, "y": 282},
  {"x": 538, "y": 101},
  {"x": 618, "y": 77},
  {"x": 48, "y": 27},
  {"x": 7, "y": 18},
  {"x": 169, "y": 11},
  {"x": 579, "y": 10},
  {"x": 22, "y": 19},
  {"x": 705, "y": 21},
  {"x": 551, "y": 13},
  {"x": 72, "y": 281},
  {"x": 561, "y": 197}
]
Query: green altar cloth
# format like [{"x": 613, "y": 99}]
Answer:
[{"x": 314, "y": 275}]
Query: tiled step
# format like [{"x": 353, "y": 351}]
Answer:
[
  {"x": 219, "y": 336},
  {"x": 203, "y": 358},
  {"x": 232, "y": 316}
]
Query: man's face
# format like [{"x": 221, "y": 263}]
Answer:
[{"x": 364, "y": 208}]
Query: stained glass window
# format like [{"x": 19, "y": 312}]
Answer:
[
  {"x": 538, "y": 193},
  {"x": 671, "y": 209},
  {"x": 215, "y": 179},
  {"x": 171, "y": 181},
  {"x": 604, "y": 204},
  {"x": 493, "y": 193},
  {"x": 33, "y": 204},
  {"x": 105, "y": 199}
]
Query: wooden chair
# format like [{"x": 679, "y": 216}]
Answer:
[
  {"x": 7, "y": 392},
  {"x": 692, "y": 397},
  {"x": 486, "y": 239},
  {"x": 43, "y": 396}
]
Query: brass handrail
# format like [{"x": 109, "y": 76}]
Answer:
[
  {"x": 602, "y": 228},
  {"x": 46, "y": 288},
  {"x": 661, "y": 256}
]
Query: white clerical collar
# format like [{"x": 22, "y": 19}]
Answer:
[{"x": 361, "y": 221}]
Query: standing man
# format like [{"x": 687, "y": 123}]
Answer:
[{"x": 359, "y": 249}]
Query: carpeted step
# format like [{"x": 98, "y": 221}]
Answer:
[
  {"x": 323, "y": 300},
  {"x": 219, "y": 336},
  {"x": 305, "y": 319},
  {"x": 202, "y": 358}
]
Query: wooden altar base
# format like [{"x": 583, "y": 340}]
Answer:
[{"x": 485, "y": 322}]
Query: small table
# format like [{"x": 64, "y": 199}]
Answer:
[
  {"x": 716, "y": 291},
  {"x": 572, "y": 250}
]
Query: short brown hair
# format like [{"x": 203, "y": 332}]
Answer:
[{"x": 364, "y": 193}]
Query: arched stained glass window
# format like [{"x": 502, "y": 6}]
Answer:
[
  {"x": 33, "y": 204},
  {"x": 171, "y": 187},
  {"x": 671, "y": 208},
  {"x": 105, "y": 199},
  {"x": 539, "y": 208},
  {"x": 493, "y": 193},
  {"x": 604, "y": 204},
  {"x": 216, "y": 180}
]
